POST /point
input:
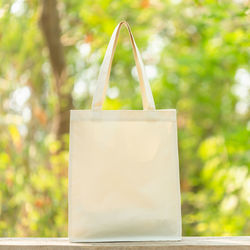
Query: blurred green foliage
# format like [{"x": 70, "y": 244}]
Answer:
[{"x": 197, "y": 56}]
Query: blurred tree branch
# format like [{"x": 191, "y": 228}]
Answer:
[{"x": 50, "y": 26}]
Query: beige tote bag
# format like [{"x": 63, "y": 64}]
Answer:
[{"x": 123, "y": 168}]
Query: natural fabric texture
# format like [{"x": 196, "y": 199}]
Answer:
[{"x": 123, "y": 168}]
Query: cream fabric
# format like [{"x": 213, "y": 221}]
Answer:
[
  {"x": 123, "y": 168},
  {"x": 102, "y": 81}
]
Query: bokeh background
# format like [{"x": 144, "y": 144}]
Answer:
[{"x": 197, "y": 58}]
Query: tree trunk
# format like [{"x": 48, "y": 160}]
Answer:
[{"x": 50, "y": 26}]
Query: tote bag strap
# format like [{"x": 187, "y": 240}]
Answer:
[{"x": 104, "y": 74}]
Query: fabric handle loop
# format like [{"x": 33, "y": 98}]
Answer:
[{"x": 104, "y": 73}]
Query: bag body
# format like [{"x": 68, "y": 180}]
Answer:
[{"x": 123, "y": 167}]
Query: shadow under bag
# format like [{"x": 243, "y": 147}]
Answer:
[{"x": 123, "y": 167}]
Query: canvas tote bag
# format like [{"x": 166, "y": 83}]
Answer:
[{"x": 123, "y": 169}]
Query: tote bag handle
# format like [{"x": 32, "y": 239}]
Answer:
[{"x": 104, "y": 74}]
